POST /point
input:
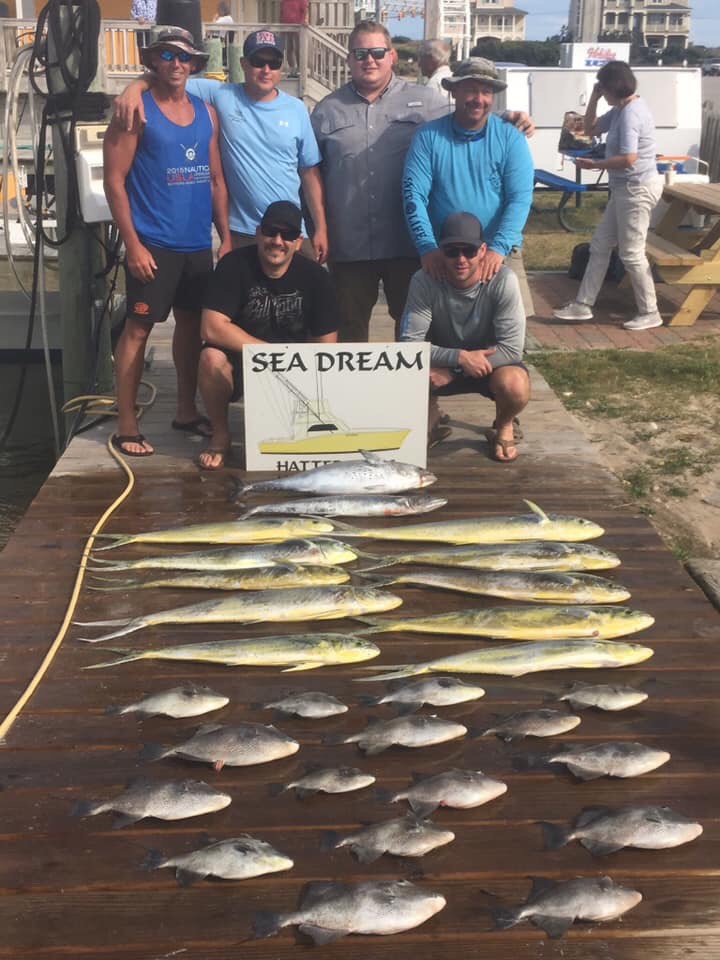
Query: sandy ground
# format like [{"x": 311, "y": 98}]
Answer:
[{"x": 689, "y": 523}]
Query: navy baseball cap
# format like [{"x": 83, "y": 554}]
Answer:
[{"x": 262, "y": 40}]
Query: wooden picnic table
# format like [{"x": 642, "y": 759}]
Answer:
[{"x": 687, "y": 256}]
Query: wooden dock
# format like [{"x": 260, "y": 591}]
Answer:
[{"x": 75, "y": 888}]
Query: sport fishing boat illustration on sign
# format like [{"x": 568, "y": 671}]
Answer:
[{"x": 314, "y": 428}]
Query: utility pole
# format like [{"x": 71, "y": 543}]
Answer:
[{"x": 433, "y": 19}]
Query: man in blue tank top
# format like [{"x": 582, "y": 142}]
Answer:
[{"x": 165, "y": 188}]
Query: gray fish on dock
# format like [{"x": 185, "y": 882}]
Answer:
[
  {"x": 537, "y": 525},
  {"x": 188, "y": 700},
  {"x": 280, "y": 576},
  {"x": 294, "y": 652},
  {"x": 530, "y": 555},
  {"x": 272, "y": 530},
  {"x": 406, "y": 505},
  {"x": 615, "y": 759},
  {"x": 554, "y": 906},
  {"x": 532, "y": 723},
  {"x": 603, "y": 696},
  {"x": 433, "y": 691},
  {"x": 330, "y": 910},
  {"x": 310, "y": 705},
  {"x": 413, "y": 731},
  {"x": 240, "y": 745},
  {"x": 265, "y": 606},
  {"x": 318, "y": 551},
  {"x": 602, "y": 830},
  {"x": 513, "y": 585},
  {"x": 163, "y": 800},
  {"x": 459, "y": 789},
  {"x": 238, "y": 858},
  {"x": 406, "y": 836},
  {"x": 519, "y": 659},
  {"x": 372, "y": 474},
  {"x": 326, "y": 780},
  {"x": 572, "y": 622}
]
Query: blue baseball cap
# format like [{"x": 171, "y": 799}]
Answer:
[{"x": 262, "y": 40}]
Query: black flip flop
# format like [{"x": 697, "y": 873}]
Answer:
[
  {"x": 118, "y": 439},
  {"x": 193, "y": 426}
]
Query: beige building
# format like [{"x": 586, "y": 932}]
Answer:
[
  {"x": 656, "y": 23},
  {"x": 497, "y": 18}
]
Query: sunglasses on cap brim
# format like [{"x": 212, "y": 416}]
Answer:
[
  {"x": 460, "y": 250},
  {"x": 272, "y": 230},
  {"x": 362, "y": 53},
  {"x": 258, "y": 61}
]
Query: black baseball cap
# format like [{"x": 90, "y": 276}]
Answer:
[
  {"x": 265, "y": 39},
  {"x": 461, "y": 227},
  {"x": 282, "y": 213}
]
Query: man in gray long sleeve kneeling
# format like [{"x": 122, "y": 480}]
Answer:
[{"x": 477, "y": 332}]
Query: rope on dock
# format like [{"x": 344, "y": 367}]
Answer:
[{"x": 60, "y": 636}]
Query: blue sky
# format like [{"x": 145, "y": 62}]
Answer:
[{"x": 547, "y": 16}]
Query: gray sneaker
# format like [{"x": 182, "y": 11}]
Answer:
[
  {"x": 573, "y": 311},
  {"x": 644, "y": 321}
]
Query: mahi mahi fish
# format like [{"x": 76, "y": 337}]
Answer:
[
  {"x": 531, "y": 555},
  {"x": 521, "y": 585},
  {"x": 532, "y": 526},
  {"x": 238, "y": 858},
  {"x": 189, "y": 700},
  {"x": 519, "y": 659},
  {"x": 322, "y": 603},
  {"x": 330, "y": 910},
  {"x": 292, "y": 651},
  {"x": 164, "y": 800},
  {"x": 602, "y": 830},
  {"x": 319, "y": 551},
  {"x": 372, "y": 474},
  {"x": 406, "y": 505},
  {"x": 554, "y": 906},
  {"x": 524, "y": 623},
  {"x": 277, "y": 577},
  {"x": 271, "y": 530}
]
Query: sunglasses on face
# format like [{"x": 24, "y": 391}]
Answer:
[
  {"x": 460, "y": 251},
  {"x": 275, "y": 63},
  {"x": 287, "y": 233},
  {"x": 169, "y": 55},
  {"x": 362, "y": 53}
]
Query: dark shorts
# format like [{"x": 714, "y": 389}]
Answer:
[
  {"x": 463, "y": 384},
  {"x": 237, "y": 373},
  {"x": 180, "y": 281}
]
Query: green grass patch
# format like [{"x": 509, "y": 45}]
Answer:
[
  {"x": 638, "y": 482},
  {"x": 546, "y": 245}
]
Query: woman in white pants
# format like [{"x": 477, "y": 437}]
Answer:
[{"x": 635, "y": 189}]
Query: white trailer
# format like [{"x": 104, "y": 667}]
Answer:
[{"x": 674, "y": 96}]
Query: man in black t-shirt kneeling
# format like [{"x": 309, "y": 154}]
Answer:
[{"x": 267, "y": 293}]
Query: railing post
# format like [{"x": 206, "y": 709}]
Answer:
[{"x": 303, "y": 61}]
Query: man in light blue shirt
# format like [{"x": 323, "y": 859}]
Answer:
[
  {"x": 472, "y": 161},
  {"x": 267, "y": 145}
]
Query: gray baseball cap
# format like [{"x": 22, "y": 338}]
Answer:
[
  {"x": 461, "y": 228},
  {"x": 475, "y": 68}
]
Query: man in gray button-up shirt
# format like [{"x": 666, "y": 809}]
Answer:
[{"x": 363, "y": 131}]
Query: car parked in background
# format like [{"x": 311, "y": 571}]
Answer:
[{"x": 711, "y": 68}]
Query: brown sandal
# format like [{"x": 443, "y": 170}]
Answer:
[{"x": 494, "y": 441}]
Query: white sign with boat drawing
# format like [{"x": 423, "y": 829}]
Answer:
[{"x": 307, "y": 404}]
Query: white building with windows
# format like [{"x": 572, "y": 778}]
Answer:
[
  {"x": 659, "y": 24},
  {"x": 499, "y": 19}
]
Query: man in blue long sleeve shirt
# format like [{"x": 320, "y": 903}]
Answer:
[{"x": 470, "y": 161}]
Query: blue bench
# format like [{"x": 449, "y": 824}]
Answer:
[{"x": 551, "y": 182}]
